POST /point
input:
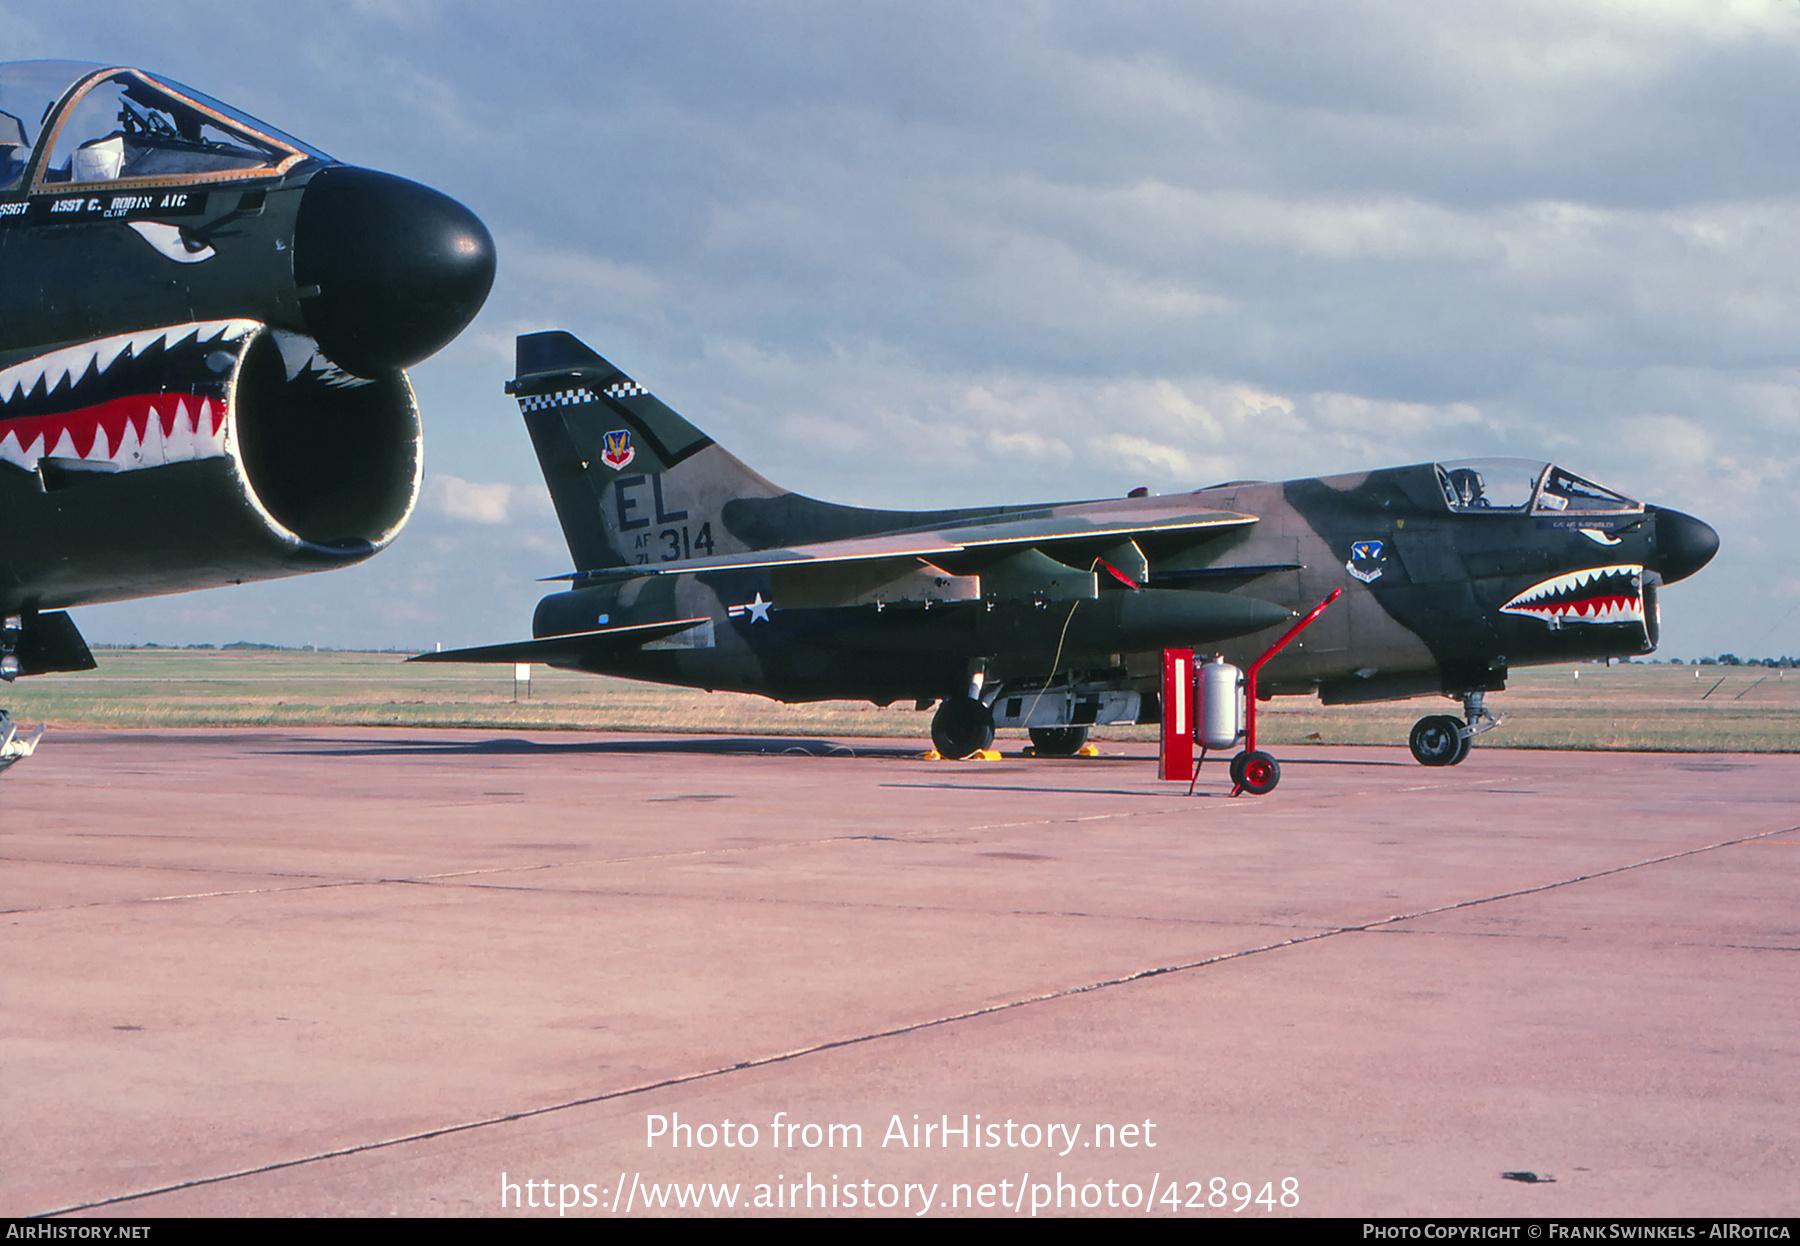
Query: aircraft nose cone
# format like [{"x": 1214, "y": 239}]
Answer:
[
  {"x": 1683, "y": 544},
  {"x": 399, "y": 269}
]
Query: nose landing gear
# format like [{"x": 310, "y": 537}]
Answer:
[
  {"x": 12, "y": 747},
  {"x": 35, "y": 644},
  {"x": 1443, "y": 740},
  {"x": 11, "y": 632}
]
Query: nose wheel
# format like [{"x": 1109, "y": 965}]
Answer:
[
  {"x": 1439, "y": 741},
  {"x": 1443, "y": 739}
]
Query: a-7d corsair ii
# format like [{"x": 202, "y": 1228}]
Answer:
[
  {"x": 694, "y": 570},
  {"x": 203, "y": 323}
]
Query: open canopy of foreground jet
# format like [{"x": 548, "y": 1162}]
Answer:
[
  {"x": 203, "y": 323},
  {"x": 695, "y": 570}
]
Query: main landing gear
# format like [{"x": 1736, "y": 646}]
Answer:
[
  {"x": 1443, "y": 739},
  {"x": 1058, "y": 741},
  {"x": 963, "y": 726}
]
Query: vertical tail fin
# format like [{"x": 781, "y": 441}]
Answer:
[{"x": 631, "y": 480}]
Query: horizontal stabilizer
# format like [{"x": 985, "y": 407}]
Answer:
[{"x": 575, "y": 647}]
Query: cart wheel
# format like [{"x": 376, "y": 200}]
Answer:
[{"x": 1256, "y": 773}]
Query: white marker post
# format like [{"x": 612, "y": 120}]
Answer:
[{"x": 521, "y": 675}]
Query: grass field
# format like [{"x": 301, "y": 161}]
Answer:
[{"x": 1636, "y": 706}]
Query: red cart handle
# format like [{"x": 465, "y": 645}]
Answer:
[{"x": 1277, "y": 647}]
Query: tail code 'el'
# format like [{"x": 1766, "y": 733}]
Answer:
[{"x": 631, "y": 480}]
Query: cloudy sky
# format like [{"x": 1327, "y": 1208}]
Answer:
[{"x": 933, "y": 254}]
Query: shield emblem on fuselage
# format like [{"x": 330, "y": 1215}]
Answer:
[{"x": 1367, "y": 559}]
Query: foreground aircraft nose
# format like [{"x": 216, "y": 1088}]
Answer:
[
  {"x": 388, "y": 270},
  {"x": 1683, "y": 544}
]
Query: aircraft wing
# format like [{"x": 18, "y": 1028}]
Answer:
[
  {"x": 1074, "y": 530},
  {"x": 574, "y": 647}
]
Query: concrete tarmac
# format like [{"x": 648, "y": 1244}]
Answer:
[{"x": 364, "y": 972}]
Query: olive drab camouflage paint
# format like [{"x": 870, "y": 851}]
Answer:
[{"x": 692, "y": 569}]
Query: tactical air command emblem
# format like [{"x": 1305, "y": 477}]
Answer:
[
  {"x": 1366, "y": 560},
  {"x": 617, "y": 451}
]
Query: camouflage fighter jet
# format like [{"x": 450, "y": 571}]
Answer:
[
  {"x": 695, "y": 570},
  {"x": 203, "y": 323}
]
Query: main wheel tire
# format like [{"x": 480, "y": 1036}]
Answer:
[
  {"x": 1438, "y": 741},
  {"x": 1058, "y": 741},
  {"x": 1256, "y": 773},
  {"x": 961, "y": 726}
]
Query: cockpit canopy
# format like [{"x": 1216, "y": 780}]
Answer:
[
  {"x": 66, "y": 125},
  {"x": 1481, "y": 486}
]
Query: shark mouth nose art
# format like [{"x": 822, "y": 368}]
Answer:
[
  {"x": 127, "y": 433},
  {"x": 1597, "y": 595},
  {"x": 317, "y": 455},
  {"x": 120, "y": 403}
]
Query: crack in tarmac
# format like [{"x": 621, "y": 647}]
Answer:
[{"x": 915, "y": 1027}]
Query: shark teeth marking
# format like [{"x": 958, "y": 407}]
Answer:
[
  {"x": 1595, "y": 595},
  {"x": 67, "y": 366},
  {"x": 142, "y": 430},
  {"x": 301, "y": 354}
]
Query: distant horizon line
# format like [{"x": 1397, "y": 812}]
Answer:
[{"x": 1720, "y": 659}]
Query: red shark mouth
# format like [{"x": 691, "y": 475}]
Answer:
[
  {"x": 1598, "y": 595},
  {"x": 123, "y": 403},
  {"x": 143, "y": 430}
]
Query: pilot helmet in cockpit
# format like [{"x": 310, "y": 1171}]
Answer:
[
  {"x": 1467, "y": 485},
  {"x": 98, "y": 160}
]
